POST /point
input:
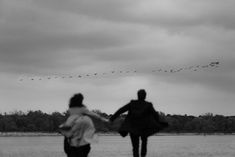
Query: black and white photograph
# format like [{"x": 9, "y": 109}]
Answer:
[{"x": 117, "y": 78}]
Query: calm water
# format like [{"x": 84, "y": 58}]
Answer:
[{"x": 115, "y": 146}]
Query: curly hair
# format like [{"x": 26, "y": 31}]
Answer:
[{"x": 76, "y": 100}]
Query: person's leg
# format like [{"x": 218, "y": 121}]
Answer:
[
  {"x": 66, "y": 145},
  {"x": 144, "y": 140},
  {"x": 69, "y": 151},
  {"x": 72, "y": 152},
  {"x": 84, "y": 150},
  {"x": 135, "y": 144}
]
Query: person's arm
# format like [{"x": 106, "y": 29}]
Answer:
[
  {"x": 94, "y": 115},
  {"x": 66, "y": 128},
  {"x": 163, "y": 123},
  {"x": 75, "y": 128},
  {"x": 154, "y": 112},
  {"x": 70, "y": 120},
  {"x": 119, "y": 111}
]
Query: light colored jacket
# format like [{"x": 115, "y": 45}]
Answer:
[{"x": 82, "y": 130}]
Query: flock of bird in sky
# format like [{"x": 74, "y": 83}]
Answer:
[{"x": 177, "y": 70}]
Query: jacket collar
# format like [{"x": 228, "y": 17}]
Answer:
[{"x": 76, "y": 110}]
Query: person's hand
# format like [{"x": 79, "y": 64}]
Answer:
[
  {"x": 105, "y": 120},
  {"x": 110, "y": 121}
]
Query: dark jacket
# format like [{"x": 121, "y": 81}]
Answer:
[{"x": 142, "y": 119}]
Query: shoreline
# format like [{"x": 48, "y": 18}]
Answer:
[{"x": 35, "y": 134}]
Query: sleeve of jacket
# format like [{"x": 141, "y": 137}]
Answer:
[
  {"x": 154, "y": 112},
  {"x": 119, "y": 111},
  {"x": 92, "y": 114}
]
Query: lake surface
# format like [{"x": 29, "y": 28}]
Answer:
[{"x": 116, "y": 146}]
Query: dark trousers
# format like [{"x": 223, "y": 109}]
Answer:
[
  {"x": 135, "y": 140},
  {"x": 81, "y": 151},
  {"x": 71, "y": 151}
]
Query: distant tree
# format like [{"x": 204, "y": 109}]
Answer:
[
  {"x": 34, "y": 121},
  {"x": 8, "y": 124}
]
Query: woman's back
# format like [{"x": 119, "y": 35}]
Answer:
[{"x": 83, "y": 131}]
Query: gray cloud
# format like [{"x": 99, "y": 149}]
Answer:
[
  {"x": 170, "y": 14},
  {"x": 41, "y": 39},
  {"x": 50, "y": 37}
]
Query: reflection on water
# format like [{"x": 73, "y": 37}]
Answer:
[{"x": 115, "y": 146}]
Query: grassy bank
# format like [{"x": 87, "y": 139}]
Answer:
[{"x": 21, "y": 134}]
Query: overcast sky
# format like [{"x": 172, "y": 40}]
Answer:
[{"x": 41, "y": 38}]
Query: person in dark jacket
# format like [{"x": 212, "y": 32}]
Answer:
[{"x": 141, "y": 122}]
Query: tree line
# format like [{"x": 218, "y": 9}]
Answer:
[{"x": 38, "y": 121}]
